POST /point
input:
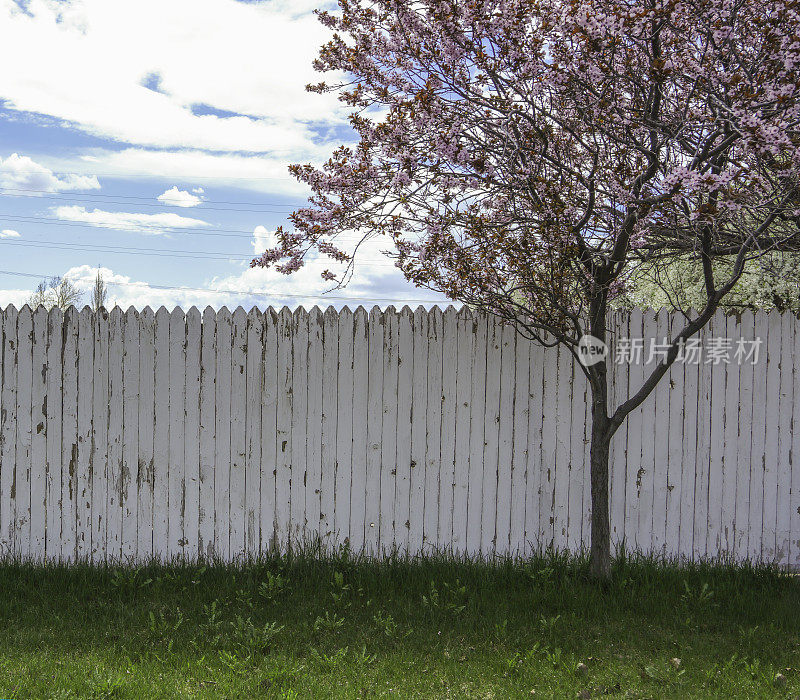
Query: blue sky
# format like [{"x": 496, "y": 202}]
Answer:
[{"x": 152, "y": 140}]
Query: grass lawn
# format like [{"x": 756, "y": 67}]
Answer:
[{"x": 335, "y": 627}]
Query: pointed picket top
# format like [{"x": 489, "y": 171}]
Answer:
[
  {"x": 11, "y": 314},
  {"x": 299, "y": 312},
  {"x": 450, "y": 311},
  {"x": 55, "y": 316},
  {"x": 345, "y": 312},
  {"x": 376, "y": 315},
  {"x": 70, "y": 315},
  {"x": 86, "y": 314},
  {"x": 147, "y": 315},
  {"x": 331, "y": 313},
  {"x": 254, "y": 313},
  {"x": 420, "y": 313},
  {"x": 115, "y": 314},
  {"x": 465, "y": 312},
  {"x": 239, "y": 316},
  {"x": 315, "y": 314},
  {"x": 209, "y": 320},
  {"x": 193, "y": 314},
  {"x": 177, "y": 313},
  {"x": 361, "y": 314},
  {"x": 271, "y": 315}
]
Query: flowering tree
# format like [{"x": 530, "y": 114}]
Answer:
[{"x": 524, "y": 156}]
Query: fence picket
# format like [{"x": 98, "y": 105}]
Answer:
[
  {"x": 344, "y": 428},
  {"x": 161, "y": 434},
  {"x": 208, "y": 434},
  {"x": 54, "y": 413},
  {"x": 38, "y": 473},
  {"x": 191, "y": 436},
  {"x": 388, "y": 433},
  {"x": 405, "y": 408},
  {"x": 465, "y": 339},
  {"x": 505, "y": 438},
  {"x": 147, "y": 412},
  {"x": 8, "y": 426},
  {"x": 491, "y": 429},
  {"x": 478, "y": 345},
  {"x": 252, "y": 478},
  {"x": 222, "y": 444},
  {"x": 69, "y": 438},
  {"x": 22, "y": 478},
  {"x": 374, "y": 425},
  {"x": 758, "y": 448},
  {"x": 130, "y": 434},
  {"x": 358, "y": 490},
  {"x": 433, "y": 419},
  {"x": 448, "y": 435},
  {"x": 772, "y": 415},
  {"x": 238, "y": 445},
  {"x": 114, "y": 469},
  {"x": 85, "y": 355},
  {"x": 314, "y": 421},
  {"x": 419, "y": 427}
]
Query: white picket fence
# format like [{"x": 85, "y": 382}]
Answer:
[{"x": 136, "y": 434}]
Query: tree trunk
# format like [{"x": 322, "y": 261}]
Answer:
[{"x": 600, "y": 562}]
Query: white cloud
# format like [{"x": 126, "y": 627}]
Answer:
[
  {"x": 179, "y": 198},
  {"x": 9, "y": 233},
  {"x": 262, "y": 239},
  {"x": 22, "y": 173},
  {"x": 228, "y": 76},
  {"x": 127, "y": 221},
  {"x": 258, "y": 173},
  {"x": 14, "y": 297},
  {"x": 198, "y": 190}
]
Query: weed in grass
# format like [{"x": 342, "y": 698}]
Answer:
[
  {"x": 165, "y": 623},
  {"x": 385, "y": 623},
  {"x": 328, "y": 623},
  {"x": 274, "y": 587},
  {"x": 451, "y": 599},
  {"x": 252, "y": 638},
  {"x": 328, "y": 663}
]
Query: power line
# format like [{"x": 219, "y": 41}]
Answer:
[
  {"x": 282, "y": 295},
  {"x": 196, "y": 255},
  {"x": 141, "y": 230},
  {"x": 166, "y": 252},
  {"x": 88, "y": 198},
  {"x": 47, "y": 221}
]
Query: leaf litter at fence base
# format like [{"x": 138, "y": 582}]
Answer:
[{"x": 336, "y": 626}]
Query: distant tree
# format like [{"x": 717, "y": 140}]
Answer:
[
  {"x": 527, "y": 156},
  {"x": 99, "y": 293},
  {"x": 58, "y": 292},
  {"x": 771, "y": 282}
]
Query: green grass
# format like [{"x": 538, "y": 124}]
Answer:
[{"x": 306, "y": 626}]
